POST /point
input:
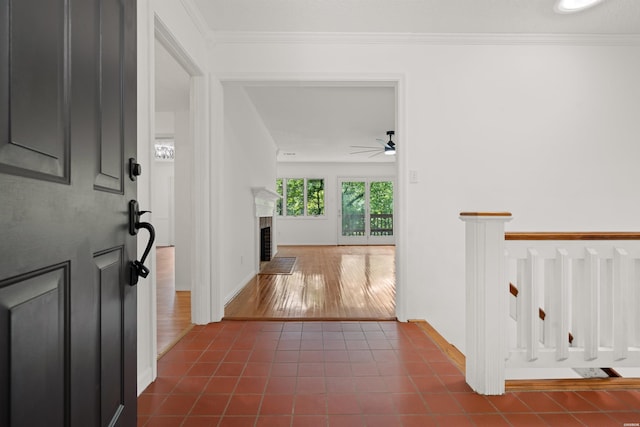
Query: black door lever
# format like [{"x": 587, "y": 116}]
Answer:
[{"x": 137, "y": 268}]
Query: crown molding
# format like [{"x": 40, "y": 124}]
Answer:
[
  {"x": 198, "y": 20},
  {"x": 250, "y": 37}
]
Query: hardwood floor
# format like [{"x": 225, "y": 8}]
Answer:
[
  {"x": 174, "y": 308},
  {"x": 328, "y": 282}
]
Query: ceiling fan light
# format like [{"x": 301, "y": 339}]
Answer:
[
  {"x": 390, "y": 151},
  {"x": 571, "y": 6}
]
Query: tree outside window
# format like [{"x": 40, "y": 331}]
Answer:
[
  {"x": 315, "y": 197},
  {"x": 300, "y": 196},
  {"x": 295, "y": 197},
  {"x": 279, "y": 191}
]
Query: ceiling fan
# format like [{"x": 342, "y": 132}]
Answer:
[{"x": 388, "y": 147}]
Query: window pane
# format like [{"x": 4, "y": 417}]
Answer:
[
  {"x": 279, "y": 201},
  {"x": 353, "y": 208},
  {"x": 315, "y": 197},
  {"x": 295, "y": 197},
  {"x": 381, "y": 208}
]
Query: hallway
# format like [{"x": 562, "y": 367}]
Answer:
[
  {"x": 242, "y": 373},
  {"x": 174, "y": 307}
]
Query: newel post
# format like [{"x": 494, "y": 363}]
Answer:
[{"x": 486, "y": 300}]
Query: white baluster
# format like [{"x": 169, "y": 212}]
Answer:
[
  {"x": 605, "y": 301},
  {"x": 511, "y": 278},
  {"x": 633, "y": 304},
  {"x": 550, "y": 287},
  {"x": 621, "y": 291},
  {"x": 591, "y": 305},
  {"x": 521, "y": 325},
  {"x": 562, "y": 281},
  {"x": 532, "y": 284}
]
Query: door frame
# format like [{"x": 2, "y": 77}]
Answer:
[
  {"x": 367, "y": 239},
  {"x": 395, "y": 80},
  {"x": 152, "y": 27}
]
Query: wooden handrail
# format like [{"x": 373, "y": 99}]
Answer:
[
  {"x": 507, "y": 214},
  {"x": 557, "y": 235}
]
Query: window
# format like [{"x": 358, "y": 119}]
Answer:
[
  {"x": 164, "y": 149},
  {"x": 279, "y": 202},
  {"x": 300, "y": 197},
  {"x": 315, "y": 197}
]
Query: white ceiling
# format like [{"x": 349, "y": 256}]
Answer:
[
  {"x": 319, "y": 123},
  {"x": 419, "y": 16}
]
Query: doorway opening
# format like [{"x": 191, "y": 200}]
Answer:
[
  {"x": 170, "y": 188},
  {"x": 327, "y": 119}
]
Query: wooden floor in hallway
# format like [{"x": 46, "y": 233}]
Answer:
[
  {"x": 174, "y": 308},
  {"x": 327, "y": 282}
]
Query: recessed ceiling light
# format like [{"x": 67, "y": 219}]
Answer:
[{"x": 571, "y": 6}]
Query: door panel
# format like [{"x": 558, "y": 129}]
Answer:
[
  {"x": 109, "y": 267},
  {"x": 381, "y": 206},
  {"x": 33, "y": 329},
  {"x": 35, "y": 135},
  {"x": 67, "y": 124},
  {"x": 353, "y": 213},
  {"x": 111, "y": 59}
]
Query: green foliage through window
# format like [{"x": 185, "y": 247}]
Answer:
[
  {"x": 315, "y": 197},
  {"x": 300, "y": 196},
  {"x": 295, "y": 197},
  {"x": 279, "y": 190},
  {"x": 381, "y": 197}
]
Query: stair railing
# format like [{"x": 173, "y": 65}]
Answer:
[{"x": 576, "y": 305}]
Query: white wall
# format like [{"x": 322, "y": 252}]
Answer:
[
  {"x": 249, "y": 161},
  {"x": 323, "y": 230},
  {"x": 183, "y": 225},
  {"x": 165, "y": 123},
  {"x": 163, "y": 202},
  {"x": 163, "y": 186},
  {"x": 546, "y": 131}
]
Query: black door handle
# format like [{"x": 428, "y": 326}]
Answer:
[{"x": 137, "y": 268}]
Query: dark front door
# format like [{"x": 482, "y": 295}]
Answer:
[{"x": 67, "y": 130}]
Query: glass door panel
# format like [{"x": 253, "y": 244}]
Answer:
[
  {"x": 381, "y": 211},
  {"x": 353, "y": 212}
]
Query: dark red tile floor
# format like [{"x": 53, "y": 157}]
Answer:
[{"x": 351, "y": 374}]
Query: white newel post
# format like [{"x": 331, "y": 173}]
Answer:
[{"x": 487, "y": 307}]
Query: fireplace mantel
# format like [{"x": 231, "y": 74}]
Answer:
[{"x": 265, "y": 201}]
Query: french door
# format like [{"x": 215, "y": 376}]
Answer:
[{"x": 366, "y": 211}]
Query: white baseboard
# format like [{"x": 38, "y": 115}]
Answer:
[
  {"x": 239, "y": 287},
  {"x": 144, "y": 379}
]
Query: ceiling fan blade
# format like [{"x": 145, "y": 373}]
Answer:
[
  {"x": 376, "y": 154},
  {"x": 382, "y": 142},
  {"x": 367, "y": 151},
  {"x": 364, "y": 146}
]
